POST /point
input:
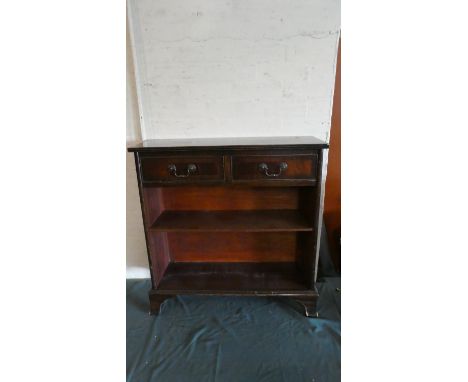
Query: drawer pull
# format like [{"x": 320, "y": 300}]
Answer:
[
  {"x": 191, "y": 168},
  {"x": 263, "y": 167}
]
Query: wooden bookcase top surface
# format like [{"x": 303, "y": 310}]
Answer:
[{"x": 229, "y": 143}]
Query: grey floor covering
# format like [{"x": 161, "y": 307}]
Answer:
[{"x": 223, "y": 339}]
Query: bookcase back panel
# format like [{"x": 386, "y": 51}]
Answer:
[
  {"x": 216, "y": 198},
  {"x": 233, "y": 246}
]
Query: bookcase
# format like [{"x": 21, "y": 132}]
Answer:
[{"x": 232, "y": 216}]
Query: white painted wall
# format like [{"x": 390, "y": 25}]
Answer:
[
  {"x": 215, "y": 68},
  {"x": 225, "y": 68}
]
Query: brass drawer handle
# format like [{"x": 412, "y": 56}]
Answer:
[
  {"x": 263, "y": 167},
  {"x": 191, "y": 168}
]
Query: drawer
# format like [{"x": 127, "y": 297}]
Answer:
[
  {"x": 182, "y": 169},
  {"x": 298, "y": 167}
]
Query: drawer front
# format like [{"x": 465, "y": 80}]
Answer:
[
  {"x": 300, "y": 167},
  {"x": 182, "y": 169}
]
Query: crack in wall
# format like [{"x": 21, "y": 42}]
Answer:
[{"x": 312, "y": 35}]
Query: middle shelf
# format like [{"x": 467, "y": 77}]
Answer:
[{"x": 232, "y": 220}]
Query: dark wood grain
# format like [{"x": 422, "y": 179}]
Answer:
[
  {"x": 299, "y": 167},
  {"x": 216, "y": 198},
  {"x": 157, "y": 169},
  {"x": 157, "y": 241},
  {"x": 225, "y": 227},
  {"x": 332, "y": 205},
  {"x": 233, "y": 246},
  {"x": 317, "y": 211},
  {"x": 144, "y": 207},
  {"x": 245, "y": 221},
  {"x": 233, "y": 278},
  {"x": 156, "y": 300},
  {"x": 309, "y": 304},
  {"x": 229, "y": 143}
]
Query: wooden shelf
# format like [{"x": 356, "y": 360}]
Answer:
[
  {"x": 233, "y": 278},
  {"x": 244, "y": 221}
]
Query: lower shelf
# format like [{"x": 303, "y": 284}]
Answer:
[{"x": 261, "y": 279}]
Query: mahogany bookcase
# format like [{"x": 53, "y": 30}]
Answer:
[{"x": 237, "y": 216}]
